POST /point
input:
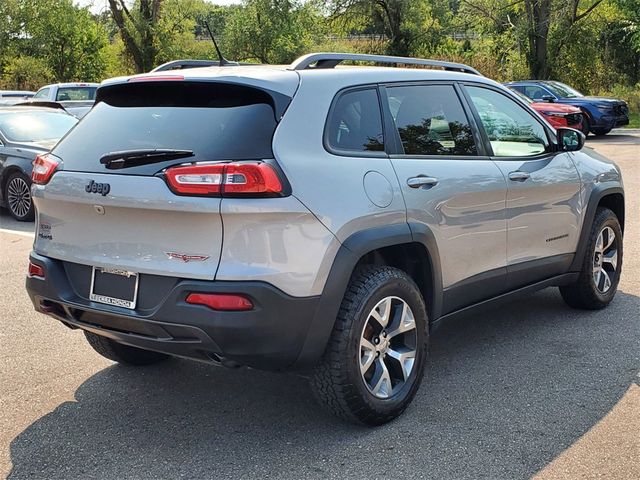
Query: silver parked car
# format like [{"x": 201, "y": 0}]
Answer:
[{"x": 314, "y": 218}]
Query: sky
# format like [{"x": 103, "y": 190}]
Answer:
[{"x": 99, "y": 5}]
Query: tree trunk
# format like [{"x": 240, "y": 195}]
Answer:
[{"x": 538, "y": 17}]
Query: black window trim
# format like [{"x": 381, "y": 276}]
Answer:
[
  {"x": 398, "y": 150},
  {"x": 551, "y": 136},
  {"x": 355, "y": 153}
]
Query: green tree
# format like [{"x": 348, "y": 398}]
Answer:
[{"x": 271, "y": 31}]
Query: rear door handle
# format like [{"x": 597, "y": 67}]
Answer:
[
  {"x": 422, "y": 181},
  {"x": 519, "y": 176}
]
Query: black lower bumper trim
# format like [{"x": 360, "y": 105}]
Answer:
[{"x": 269, "y": 337}]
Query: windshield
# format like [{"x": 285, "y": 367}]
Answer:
[
  {"x": 562, "y": 90},
  {"x": 35, "y": 126},
  {"x": 76, "y": 93}
]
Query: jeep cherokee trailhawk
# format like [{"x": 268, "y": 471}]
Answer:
[{"x": 314, "y": 218}]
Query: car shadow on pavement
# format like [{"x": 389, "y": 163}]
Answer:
[{"x": 506, "y": 392}]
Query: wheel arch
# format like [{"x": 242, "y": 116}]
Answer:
[
  {"x": 409, "y": 247},
  {"x": 604, "y": 195}
]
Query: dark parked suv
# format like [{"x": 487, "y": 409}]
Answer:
[{"x": 600, "y": 114}]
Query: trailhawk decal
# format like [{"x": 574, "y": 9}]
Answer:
[{"x": 186, "y": 258}]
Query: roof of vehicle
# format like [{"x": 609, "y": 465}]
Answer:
[
  {"x": 282, "y": 79},
  {"x": 16, "y": 93},
  {"x": 71, "y": 84},
  {"x": 29, "y": 108}
]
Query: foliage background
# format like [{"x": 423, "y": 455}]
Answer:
[{"x": 593, "y": 45}]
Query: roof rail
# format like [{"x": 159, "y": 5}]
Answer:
[
  {"x": 180, "y": 64},
  {"x": 330, "y": 60}
]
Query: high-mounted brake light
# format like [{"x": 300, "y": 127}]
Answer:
[
  {"x": 43, "y": 168},
  {"x": 226, "y": 179},
  {"x": 221, "y": 301},
  {"x": 157, "y": 78}
]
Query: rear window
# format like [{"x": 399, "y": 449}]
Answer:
[
  {"x": 216, "y": 121},
  {"x": 35, "y": 126},
  {"x": 75, "y": 93}
]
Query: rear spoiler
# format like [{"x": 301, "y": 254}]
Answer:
[{"x": 41, "y": 103}]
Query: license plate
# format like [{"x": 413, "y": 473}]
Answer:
[{"x": 114, "y": 286}]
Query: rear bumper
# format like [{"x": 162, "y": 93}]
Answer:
[{"x": 269, "y": 337}]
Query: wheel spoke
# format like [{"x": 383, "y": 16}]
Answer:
[
  {"x": 368, "y": 355},
  {"x": 606, "y": 282},
  {"x": 597, "y": 275},
  {"x": 381, "y": 381},
  {"x": 407, "y": 322},
  {"x": 611, "y": 258},
  {"x": 610, "y": 238},
  {"x": 405, "y": 360},
  {"x": 382, "y": 312}
]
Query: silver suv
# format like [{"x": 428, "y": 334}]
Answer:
[{"x": 314, "y": 218}]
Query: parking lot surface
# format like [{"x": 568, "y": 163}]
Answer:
[{"x": 530, "y": 389}]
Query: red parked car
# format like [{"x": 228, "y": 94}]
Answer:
[{"x": 558, "y": 115}]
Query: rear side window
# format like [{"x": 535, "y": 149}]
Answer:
[
  {"x": 355, "y": 122},
  {"x": 430, "y": 120},
  {"x": 217, "y": 121}
]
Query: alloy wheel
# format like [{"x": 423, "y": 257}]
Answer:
[
  {"x": 605, "y": 259},
  {"x": 18, "y": 197},
  {"x": 388, "y": 347}
]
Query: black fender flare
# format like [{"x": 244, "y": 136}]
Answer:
[
  {"x": 350, "y": 252},
  {"x": 597, "y": 194}
]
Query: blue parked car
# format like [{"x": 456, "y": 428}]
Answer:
[{"x": 600, "y": 114}]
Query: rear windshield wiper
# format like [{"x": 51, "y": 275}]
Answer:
[{"x": 134, "y": 158}]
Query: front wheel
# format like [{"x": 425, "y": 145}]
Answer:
[
  {"x": 599, "y": 132},
  {"x": 601, "y": 266},
  {"x": 375, "y": 358},
  {"x": 586, "y": 126}
]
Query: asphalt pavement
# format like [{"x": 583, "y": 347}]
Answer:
[{"x": 529, "y": 389}]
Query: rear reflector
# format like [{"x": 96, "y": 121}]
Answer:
[
  {"x": 36, "y": 270},
  {"x": 43, "y": 168},
  {"x": 221, "y": 301},
  {"x": 226, "y": 179}
]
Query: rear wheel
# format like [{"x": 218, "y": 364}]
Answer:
[
  {"x": 601, "y": 131},
  {"x": 601, "y": 266},
  {"x": 17, "y": 194},
  {"x": 122, "y": 353},
  {"x": 375, "y": 359}
]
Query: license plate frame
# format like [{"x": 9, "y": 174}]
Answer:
[{"x": 114, "y": 301}]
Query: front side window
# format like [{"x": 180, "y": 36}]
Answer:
[
  {"x": 430, "y": 120},
  {"x": 512, "y": 131},
  {"x": 355, "y": 122}
]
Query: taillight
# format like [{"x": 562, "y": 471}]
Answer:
[
  {"x": 36, "y": 270},
  {"x": 226, "y": 179},
  {"x": 221, "y": 301},
  {"x": 43, "y": 168}
]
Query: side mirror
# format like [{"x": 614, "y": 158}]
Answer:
[
  {"x": 570, "y": 140},
  {"x": 548, "y": 98}
]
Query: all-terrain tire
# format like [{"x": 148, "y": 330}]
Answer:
[
  {"x": 123, "y": 353},
  {"x": 338, "y": 382},
  {"x": 584, "y": 293}
]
